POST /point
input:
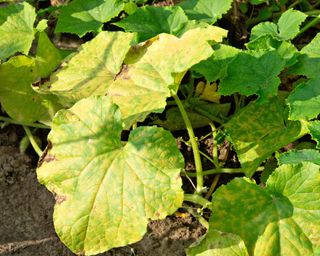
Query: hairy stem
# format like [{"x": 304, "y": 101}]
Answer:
[
  {"x": 194, "y": 143},
  {"x": 194, "y": 198}
]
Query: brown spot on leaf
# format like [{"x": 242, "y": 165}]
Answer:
[
  {"x": 123, "y": 73},
  {"x": 45, "y": 154},
  {"x": 60, "y": 199}
]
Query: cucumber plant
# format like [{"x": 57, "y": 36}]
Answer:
[{"x": 169, "y": 60}]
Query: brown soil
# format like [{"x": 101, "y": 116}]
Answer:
[{"x": 26, "y": 227}]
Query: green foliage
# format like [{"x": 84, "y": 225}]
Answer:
[
  {"x": 109, "y": 165},
  {"x": 82, "y": 16},
  {"x": 16, "y": 29},
  {"x": 148, "y": 21},
  {"x": 205, "y": 10},
  {"x": 286, "y": 28}
]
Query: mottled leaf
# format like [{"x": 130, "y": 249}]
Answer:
[
  {"x": 106, "y": 191},
  {"x": 82, "y": 16},
  {"x": 205, "y": 10},
  {"x": 93, "y": 69},
  {"x": 16, "y": 29},
  {"x": 253, "y": 72},
  {"x": 304, "y": 100},
  {"x": 218, "y": 243},
  {"x": 297, "y": 156},
  {"x": 150, "y": 21},
  {"x": 314, "y": 128},
  {"x": 18, "y": 98},
  {"x": 259, "y": 129},
  {"x": 215, "y": 67},
  {"x": 283, "y": 219},
  {"x": 143, "y": 85}
]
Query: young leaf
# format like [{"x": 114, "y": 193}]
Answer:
[
  {"x": 309, "y": 61},
  {"x": 289, "y": 24},
  {"x": 218, "y": 243},
  {"x": 297, "y": 156},
  {"x": 205, "y": 10},
  {"x": 16, "y": 29},
  {"x": 106, "y": 191},
  {"x": 143, "y": 86},
  {"x": 82, "y": 16},
  {"x": 287, "y": 27},
  {"x": 215, "y": 67},
  {"x": 48, "y": 57},
  {"x": 282, "y": 219},
  {"x": 150, "y": 21},
  {"x": 253, "y": 72},
  {"x": 259, "y": 129},
  {"x": 93, "y": 69},
  {"x": 314, "y": 128},
  {"x": 304, "y": 100},
  {"x": 18, "y": 98}
]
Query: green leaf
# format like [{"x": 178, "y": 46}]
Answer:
[
  {"x": 283, "y": 219},
  {"x": 16, "y": 29},
  {"x": 287, "y": 27},
  {"x": 215, "y": 67},
  {"x": 106, "y": 191},
  {"x": 297, "y": 156},
  {"x": 82, "y": 16},
  {"x": 205, "y": 10},
  {"x": 304, "y": 100},
  {"x": 150, "y": 21},
  {"x": 289, "y": 24},
  {"x": 314, "y": 128},
  {"x": 93, "y": 69},
  {"x": 48, "y": 57},
  {"x": 309, "y": 61},
  {"x": 286, "y": 50},
  {"x": 259, "y": 129},
  {"x": 18, "y": 98},
  {"x": 144, "y": 84},
  {"x": 253, "y": 73},
  {"x": 218, "y": 243}
]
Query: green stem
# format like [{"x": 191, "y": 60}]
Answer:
[
  {"x": 33, "y": 141},
  {"x": 216, "y": 171},
  {"x": 194, "y": 198},
  {"x": 194, "y": 143},
  {"x": 35, "y": 125},
  {"x": 213, "y": 186},
  {"x": 310, "y": 24},
  {"x": 195, "y": 214}
]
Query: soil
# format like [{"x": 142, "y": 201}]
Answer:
[{"x": 26, "y": 226}]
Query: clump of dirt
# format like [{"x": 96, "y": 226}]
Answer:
[{"x": 26, "y": 225}]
